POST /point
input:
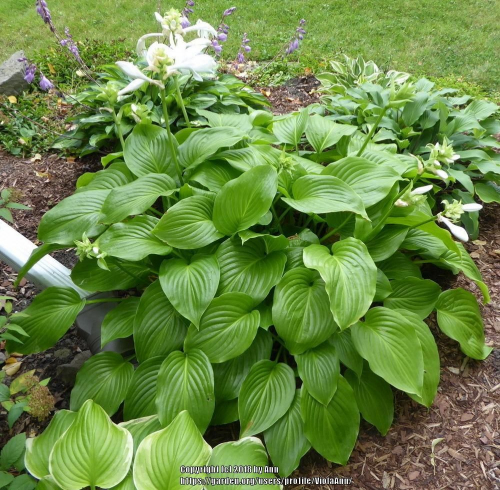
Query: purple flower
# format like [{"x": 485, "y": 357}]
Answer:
[
  {"x": 300, "y": 32},
  {"x": 241, "y": 57},
  {"x": 228, "y": 12},
  {"x": 71, "y": 45},
  {"x": 222, "y": 37},
  {"x": 217, "y": 47},
  {"x": 44, "y": 13},
  {"x": 29, "y": 76},
  {"x": 244, "y": 48},
  {"x": 45, "y": 83},
  {"x": 186, "y": 12}
]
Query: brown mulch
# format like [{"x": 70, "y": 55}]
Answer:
[{"x": 465, "y": 412}]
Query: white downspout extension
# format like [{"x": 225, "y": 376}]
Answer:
[{"x": 15, "y": 250}]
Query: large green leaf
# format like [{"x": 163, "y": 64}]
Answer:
[
  {"x": 141, "y": 428},
  {"x": 388, "y": 341},
  {"x": 119, "y": 322},
  {"x": 227, "y": 328},
  {"x": 301, "y": 310},
  {"x": 286, "y": 441},
  {"x": 323, "y": 133},
  {"x": 420, "y": 240},
  {"x": 163, "y": 454},
  {"x": 188, "y": 224},
  {"x": 226, "y": 412},
  {"x": 374, "y": 398},
  {"x": 147, "y": 151},
  {"x": 215, "y": 120},
  {"x": 289, "y": 129},
  {"x": 399, "y": 266},
  {"x": 324, "y": 194},
  {"x": 415, "y": 108},
  {"x": 190, "y": 285},
  {"x": 204, "y": 143},
  {"x": 186, "y": 382},
  {"x": 459, "y": 318},
  {"x": 133, "y": 240},
  {"x": 348, "y": 355},
  {"x": 333, "y": 429},
  {"x": 136, "y": 197},
  {"x": 104, "y": 378},
  {"x": 214, "y": 175},
  {"x": 384, "y": 287},
  {"x": 120, "y": 275},
  {"x": 265, "y": 396},
  {"x": 244, "y": 200},
  {"x": 92, "y": 452},
  {"x": 140, "y": 400},
  {"x": 230, "y": 375},
  {"x": 412, "y": 294},
  {"x": 158, "y": 328},
  {"x": 387, "y": 242},
  {"x": 431, "y": 359},
  {"x": 249, "y": 268},
  {"x": 319, "y": 369},
  {"x": 488, "y": 192},
  {"x": 248, "y": 453},
  {"x": 38, "y": 449},
  {"x": 46, "y": 319},
  {"x": 350, "y": 276},
  {"x": 370, "y": 181},
  {"x": 72, "y": 217}
]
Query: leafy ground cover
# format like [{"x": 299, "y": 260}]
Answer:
[{"x": 452, "y": 38}]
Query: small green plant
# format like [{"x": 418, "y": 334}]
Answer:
[
  {"x": 8, "y": 198},
  {"x": 12, "y": 467}
]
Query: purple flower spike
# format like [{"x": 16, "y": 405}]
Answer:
[
  {"x": 30, "y": 73},
  {"x": 241, "y": 57},
  {"x": 300, "y": 32},
  {"x": 217, "y": 47},
  {"x": 44, "y": 12},
  {"x": 229, "y": 12},
  {"x": 45, "y": 83},
  {"x": 244, "y": 48},
  {"x": 71, "y": 45},
  {"x": 186, "y": 12}
]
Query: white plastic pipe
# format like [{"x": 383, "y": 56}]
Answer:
[{"x": 15, "y": 250}]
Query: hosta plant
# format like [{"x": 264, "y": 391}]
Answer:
[
  {"x": 258, "y": 284},
  {"x": 451, "y": 136}
]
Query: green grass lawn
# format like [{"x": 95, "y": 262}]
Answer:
[{"x": 439, "y": 38}]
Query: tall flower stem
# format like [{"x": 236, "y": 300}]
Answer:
[
  {"x": 372, "y": 131},
  {"x": 181, "y": 101},
  {"x": 173, "y": 149},
  {"x": 118, "y": 129}
]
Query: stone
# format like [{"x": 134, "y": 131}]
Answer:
[
  {"x": 67, "y": 372},
  {"x": 12, "y": 80},
  {"x": 62, "y": 353}
]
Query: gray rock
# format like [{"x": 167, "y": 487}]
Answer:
[
  {"x": 62, "y": 353},
  {"x": 67, "y": 372},
  {"x": 12, "y": 80}
]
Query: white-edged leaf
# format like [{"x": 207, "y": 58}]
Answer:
[{"x": 141, "y": 428}]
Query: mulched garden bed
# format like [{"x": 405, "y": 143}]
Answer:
[{"x": 466, "y": 410}]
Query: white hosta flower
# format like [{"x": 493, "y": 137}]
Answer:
[
  {"x": 443, "y": 153},
  {"x": 441, "y": 173},
  {"x": 171, "y": 22},
  {"x": 456, "y": 231},
  {"x": 454, "y": 210},
  {"x": 413, "y": 197},
  {"x": 421, "y": 190},
  {"x": 470, "y": 208}
]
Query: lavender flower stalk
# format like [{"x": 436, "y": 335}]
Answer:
[
  {"x": 45, "y": 83},
  {"x": 244, "y": 48},
  {"x": 71, "y": 45},
  {"x": 186, "y": 12},
  {"x": 222, "y": 31},
  {"x": 300, "y": 32},
  {"x": 30, "y": 69},
  {"x": 44, "y": 13}
]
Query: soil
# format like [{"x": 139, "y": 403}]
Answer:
[{"x": 465, "y": 414}]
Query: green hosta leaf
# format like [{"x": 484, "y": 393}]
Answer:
[
  {"x": 249, "y": 268},
  {"x": 204, "y": 143},
  {"x": 290, "y": 128},
  {"x": 415, "y": 108},
  {"x": 92, "y": 452},
  {"x": 161, "y": 455},
  {"x": 333, "y": 429},
  {"x": 422, "y": 241},
  {"x": 459, "y": 318},
  {"x": 104, "y": 378},
  {"x": 301, "y": 310},
  {"x": 140, "y": 400},
  {"x": 465, "y": 264},
  {"x": 188, "y": 224},
  {"x": 239, "y": 121},
  {"x": 387, "y": 242},
  {"x": 190, "y": 285},
  {"x": 120, "y": 275},
  {"x": 214, "y": 175},
  {"x": 5, "y": 479},
  {"x": 488, "y": 192},
  {"x": 323, "y": 133},
  {"x": 127, "y": 483},
  {"x": 481, "y": 109},
  {"x": 12, "y": 451},
  {"x": 230, "y": 375},
  {"x": 388, "y": 341},
  {"x": 226, "y": 412},
  {"x": 147, "y": 151},
  {"x": 319, "y": 369},
  {"x": 350, "y": 276},
  {"x": 430, "y": 356},
  {"x": 324, "y": 194},
  {"x": 247, "y": 452},
  {"x": 46, "y": 319},
  {"x": 72, "y": 217},
  {"x": 119, "y": 322},
  {"x": 186, "y": 382},
  {"x": 384, "y": 287},
  {"x": 400, "y": 266},
  {"x": 48, "y": 483},
  {"x": 348, "y": 355},
  {"x": 374, "y": 398},
  {"x": 141, "y": 428},
  {"x": 286, "y": 441},
  {"x": 271, "y": 242},
  {"x": 136, "y": 197},
  {"x": 412, "y": 294},
  {"x": 370, "y": 181},
  {"x": 133, "y": 240},
  {"x": 23, "y": 482},
  {"x": 115, "y": 176},
  {"x": 158, "y": 328},
  {"x": 442, "y": 234},
  {"x": 227, "y": 328},
  {"x": 243, "y": 201},
  {"x": 38, "y": 449},
  {"x": 265, "y": 396}
]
